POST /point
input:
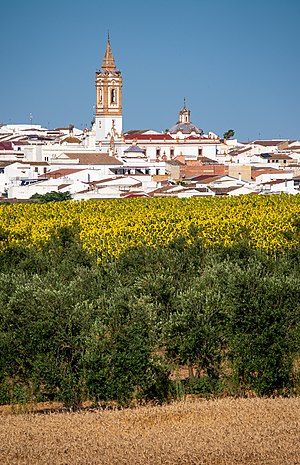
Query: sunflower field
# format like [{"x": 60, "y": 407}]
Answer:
[{"x": 110, "y": 227}]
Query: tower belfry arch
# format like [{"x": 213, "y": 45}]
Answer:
[{"x": 108, "y": 97}]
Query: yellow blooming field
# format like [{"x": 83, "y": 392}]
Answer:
[{"x": 109, "y": 227}]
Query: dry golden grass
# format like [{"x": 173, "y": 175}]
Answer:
[{"x": 225, "y": 431}]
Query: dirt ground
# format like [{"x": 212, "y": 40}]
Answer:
[{"x": 194, "y": 432}]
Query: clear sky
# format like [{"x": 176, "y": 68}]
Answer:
[{"x": 237, "y": 63}]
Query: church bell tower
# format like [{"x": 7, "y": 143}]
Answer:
[{"x": 108, "y": 117}]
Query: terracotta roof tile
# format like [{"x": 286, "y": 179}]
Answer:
[
  {"x": 269, "y": 143},
  {"x": 92, "y": 158},
  {"x": 72, "y": 140},
  {"x": 280, "y": 156},
  {"x": 62, "y": 172},
  {"x": 150, "y": 137},
  {"x": 6, "y": 145}
]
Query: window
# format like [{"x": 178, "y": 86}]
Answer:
[
  {"x": 157, "y": 152},
  {"x": 113, "y": 96},
  {"x": 172, "y": 152},
  {"x": 200, "y": 151}
]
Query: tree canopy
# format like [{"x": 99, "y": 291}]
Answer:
[
  {"x": 73, "y": 328},
  {"x": 51, "y": 197},
  {"x": 228, "y": 134}
]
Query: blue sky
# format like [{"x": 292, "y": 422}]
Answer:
[{"x": 236, "y": 62}]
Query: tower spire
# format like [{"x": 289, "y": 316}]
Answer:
[
  {"x": 108, "y": 60},
  {"x": 108, "y": 111},
  {"x": 184, "y": 114}
]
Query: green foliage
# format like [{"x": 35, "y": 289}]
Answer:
[
  {"x": 193, "y": 332},
  {"x": 72, "y": 329},
  {"x": 204, "y": 386},
  {"x": 177, "y": 389},
  {"x": 228, "y": 134},
  {"x": 51, "y": 197},
  {"x": 5, "y": 397},
  {"x": 120, "y": 361},
  {"x": 263, "y": 314}
]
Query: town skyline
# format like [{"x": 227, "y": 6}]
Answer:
[{"x": 237, "y": 66}]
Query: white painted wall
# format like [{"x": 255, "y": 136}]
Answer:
[
  {"x": 104, "y": 170},
  {"x": 266, "y": 177},
  {"x": 18, "y": 171},
  {"x": 104, "y": 125},
  {"x": 33, "y": 152},
  {"x": 86, "y": 175},
  {"x": 287, "y": 186},
  {"x": 43, "y": 187}
]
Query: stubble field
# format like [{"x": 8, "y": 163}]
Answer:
[{"x": 216, "y": 432}]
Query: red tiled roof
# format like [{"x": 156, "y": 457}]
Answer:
[
  {"x": 255, "y": 171},
  {"x": 279, "y": 156},
  {"x": 20, "y": 142},
  {"x": 206, "y": 160},
  {"x": 72, "y": 140},
  {"x": 6, "y": 145},
  {"x": 222, "y": 190},
  {"x": 164, "y": 190},
  {"x": 129, "y": 195},
  {"x": 243, "y": 150},
  {"x": 154, "y": 137},
  {"x": 275, "y": 181},
  {"x": 61, "y": 186},
  {"x": 175, "y": 162},
  {"x": 204, "y": 177},
  {"x": 93, "y": 158},
  {"x": 100, "y": 181},
  {"x": 34, "y": 163},
  {"x": 269, "y": 143},
  {"x": 62, "y": 172},
  {"x": 3, "y": 164},
  {"x": 137, "y": 136}
]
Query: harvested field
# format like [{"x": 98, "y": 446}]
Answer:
[{"x": 216, "y": 432}]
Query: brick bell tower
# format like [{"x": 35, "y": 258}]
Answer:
[{"x": 108, "y": 117}]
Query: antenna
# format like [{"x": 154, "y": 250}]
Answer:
[{"x": 30, "y": 118}]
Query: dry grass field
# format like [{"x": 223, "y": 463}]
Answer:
[{"x": 216, "y": 432}]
